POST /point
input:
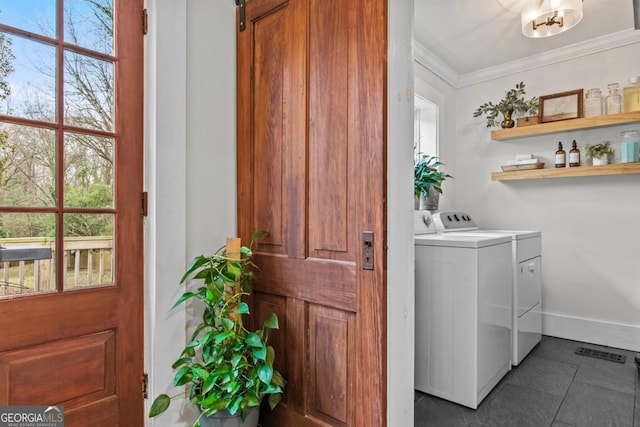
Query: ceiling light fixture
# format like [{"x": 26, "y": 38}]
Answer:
[{"x": 551, "y": 17}]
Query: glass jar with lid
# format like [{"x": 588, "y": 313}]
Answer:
[
  {"x": 631, "y": 95},
  {"x": 593, "y": 103},
  {"x": 614, "y": 99},
  {"x": 629, "y": 146}
]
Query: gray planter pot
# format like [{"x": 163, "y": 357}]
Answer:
[
  {"x": 430, "y": 203},
  {"x": 224, "y": 419}
]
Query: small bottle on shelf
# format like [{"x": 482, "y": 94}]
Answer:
[
  {"x": 593, "y": 103},
  {"x": 629, "y": 146},
  {"x": 574, "y": 155},
  {"x": 561, "y": 156},
  {"x": 614, "y": 99},
  {"x": 631, "y": 95}
]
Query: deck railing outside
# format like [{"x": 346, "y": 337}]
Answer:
[{"x": 87, "y": 261}]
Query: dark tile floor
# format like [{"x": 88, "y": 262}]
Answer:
[{"x": 552, "y": 387}]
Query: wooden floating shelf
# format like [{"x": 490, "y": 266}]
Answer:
[
  {"x": 566, "y": 125},
  {"x": 616, "y": 169}
]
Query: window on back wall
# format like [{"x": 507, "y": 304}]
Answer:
[{"x": 425, "y": 126}]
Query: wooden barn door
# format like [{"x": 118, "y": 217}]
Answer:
[{"x": 311, "y": 172}]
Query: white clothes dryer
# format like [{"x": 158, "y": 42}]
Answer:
[
  {"x": 463, "y": 313},
  {"x": 527, "y": 279}
]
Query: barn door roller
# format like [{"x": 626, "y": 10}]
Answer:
[{"x": 240, "y": 4}]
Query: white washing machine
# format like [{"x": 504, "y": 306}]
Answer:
[
  {"x": 463, "y": 312},
  {"x": 527, "y": 280}
]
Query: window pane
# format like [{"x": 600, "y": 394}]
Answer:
[
  {"x": 88, "y": 92},
  {"x": 36, "y": 16},
  {"x": 27, "y": 255},
  {"x": 27, "y": 166},
  {"x": 89, "y": 23},
  {"x": 426, "y": 127},
  {"x": 88, "y": 171},
  {"x": 28, "y": 69},
  {"x": 88, "y": 250}
]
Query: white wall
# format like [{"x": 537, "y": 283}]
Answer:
[
  {"x": 590, "y": 225},
  {"x": 211, "y": 125},
  {"x": 211, "y": 133},
  {"x": 190, "y": 133},
  {"x": 165, "y": 166},
  {"x": 400, "y": 283}
]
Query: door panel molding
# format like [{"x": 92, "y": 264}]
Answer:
[
  {"x": 332, "y": 355},
  {"x": 333, "y": 282},
  {"x": 81, "y": 315},
  {"x": 84, "y": 371}
]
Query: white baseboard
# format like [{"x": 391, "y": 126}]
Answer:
[{"x": 592, "y": 331}]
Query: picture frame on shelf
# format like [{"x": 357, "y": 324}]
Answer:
[{"x": 561, "y": 106}]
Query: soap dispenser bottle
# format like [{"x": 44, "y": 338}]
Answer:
[
  {"x": 561, "y": 156},
  {"x": 574, "y": 155}
]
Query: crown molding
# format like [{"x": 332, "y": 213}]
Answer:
[
  {"x": 431, "y": 62},
  {"x": 555, "y": 56},
  {"x": 427, "y": 59}
]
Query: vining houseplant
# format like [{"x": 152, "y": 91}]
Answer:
[{"x": 225, "y": 367}]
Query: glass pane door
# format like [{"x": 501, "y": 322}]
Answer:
[{"x": 57, "y": 145}]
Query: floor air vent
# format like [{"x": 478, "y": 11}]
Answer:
[{"x": 611, "y": 357}]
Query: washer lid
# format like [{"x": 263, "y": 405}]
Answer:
[
  {"x": 460, "y": 240},
  {"x": 517, "y": 234},
  {"x": 514, "y": 234}
]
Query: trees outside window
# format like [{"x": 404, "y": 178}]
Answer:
[{"x": 28, "y": 152}]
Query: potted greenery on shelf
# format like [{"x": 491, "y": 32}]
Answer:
[
  {"x": 226, "y": 368},
  {"x": 427, "y": 180},
  {"x": 513, "y": 102},
  {"x": 599, "y": 153}
]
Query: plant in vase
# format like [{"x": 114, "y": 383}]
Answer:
[
  {"x": 427, "y": 180},
  {"x": 226, "y": 369},
  {"x": 599, "y": 153},
  {"x": 513, "y": 102}
]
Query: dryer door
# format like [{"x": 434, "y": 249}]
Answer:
[{"x": 529, "y": 285}]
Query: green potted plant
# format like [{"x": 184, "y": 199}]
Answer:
[
  {"x": 427, "y": 180},
  {"x": 599, "y": 153},
  {"x": 513, "y": 102},
  {"x": 226, "y": 369}
]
